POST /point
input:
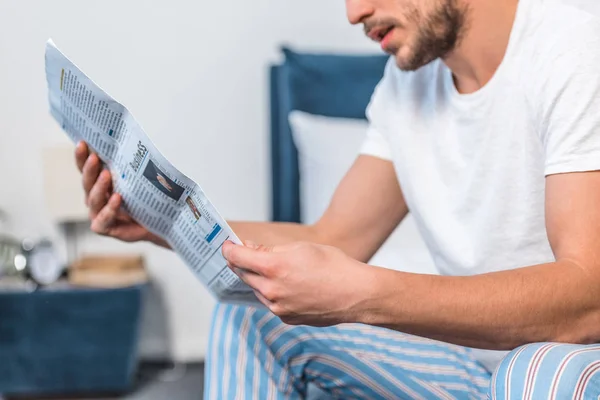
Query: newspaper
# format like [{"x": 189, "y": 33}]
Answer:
[{"x": 154, "y": 192}]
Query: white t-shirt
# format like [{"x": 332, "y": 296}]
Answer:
[{"x": 472, "y": 167}]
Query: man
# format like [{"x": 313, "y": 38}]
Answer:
[{"x": 486, "y": 126}]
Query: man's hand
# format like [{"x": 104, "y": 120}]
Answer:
[
  {"x": 305, "y": 283},
  {"x": 105, "y": 211}
]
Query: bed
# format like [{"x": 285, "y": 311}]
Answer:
[{"x": 331, "y": 85}]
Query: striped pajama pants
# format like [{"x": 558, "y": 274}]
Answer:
[{"x": 253, "y": 355}]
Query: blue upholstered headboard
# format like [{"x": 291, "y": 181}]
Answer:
[{"x": 323, "y": 84}]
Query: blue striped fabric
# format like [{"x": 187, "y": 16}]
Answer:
[
  {"x": 549, "y": 371},
  {"x": 253, "y": 355}
]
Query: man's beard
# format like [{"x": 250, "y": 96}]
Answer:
[{"x": 438, "y": 34}]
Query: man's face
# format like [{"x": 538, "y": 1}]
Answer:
[{"x": 416, "y": 32}]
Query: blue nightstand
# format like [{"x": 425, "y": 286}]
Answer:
[{"x": 68, "y": 340}]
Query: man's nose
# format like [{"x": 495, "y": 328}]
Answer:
[{"x": 358, "y": 10}]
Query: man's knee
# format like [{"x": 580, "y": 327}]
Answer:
[{"x": 548, "y": 370}]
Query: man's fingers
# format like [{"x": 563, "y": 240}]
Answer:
[
  {"x": 107, "y": 217},
  {"x": 99, "y": 194},
  {"x": 81, "y": 155},
  {"x": 261, "y": 261},
  {"x": 253, "y": 280},
  {"x": 259, "y": 283},
  {"x": 90, "y": 171},
  {"x": 268, "y": 303}
]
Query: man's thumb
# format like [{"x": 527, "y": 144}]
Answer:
[
  {"x": 246, "y": 257},
  {"x": 259, "y": 247}
]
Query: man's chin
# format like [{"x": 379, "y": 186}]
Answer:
[
  {"x": 405, "y": 65},
  {"x": 404, "y": 58},
  {"x": 411, "y": 62}
]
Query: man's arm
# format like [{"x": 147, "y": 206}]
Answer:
[
  {"x": 559, "y": 301},
  {"x": 365, "y": 209}
]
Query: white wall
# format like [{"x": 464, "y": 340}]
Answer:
[{"x": 195, "y": 74}]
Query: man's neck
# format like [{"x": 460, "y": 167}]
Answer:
[{"x": 481, "y": 50}]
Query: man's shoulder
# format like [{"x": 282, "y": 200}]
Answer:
[
  {"x": 569, "y": 25},
  {"x": 558, "y": 68},
  {"x": 580, "y": 8},
  {"x": 561, "y": 39}
]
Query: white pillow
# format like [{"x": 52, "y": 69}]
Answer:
[{"x": 327, "y": 148}]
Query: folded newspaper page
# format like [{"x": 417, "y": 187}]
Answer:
[{"x": 154, "y": 192}]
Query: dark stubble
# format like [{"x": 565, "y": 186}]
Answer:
[{"x": 438, "y": 33}]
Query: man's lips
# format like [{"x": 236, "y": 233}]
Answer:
[
  {"x": 377, "y": 34},
  {"x": 386, "y": 39},
  {"x": 382, "y": 34}
]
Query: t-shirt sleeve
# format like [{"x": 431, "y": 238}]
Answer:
[
  {"x": 570, "y": 130},
  {"x": 376, "y": 143}
]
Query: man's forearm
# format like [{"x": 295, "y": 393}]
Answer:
[
  {"x": 265, "y": 233},
  {"x": 274, "y": 233},
  {"x": 551, "y": 302}
]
